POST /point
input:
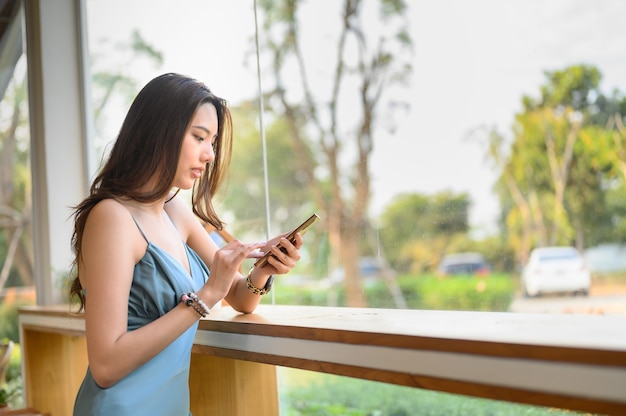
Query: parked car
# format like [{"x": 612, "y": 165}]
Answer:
[
  {"x": 372, "y": 270},
  {"x": 472, "y": 264},
  {"x": 556, "y": 270}
]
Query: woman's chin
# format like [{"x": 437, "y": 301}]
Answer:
[{"x": 185, "y": 186}]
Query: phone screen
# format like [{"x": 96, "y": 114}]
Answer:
[{"x": 302, "y": 228}]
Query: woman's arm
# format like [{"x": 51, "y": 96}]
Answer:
[
  {"x": 111, "y": 246},
  {"x": 225, "y": 263},
  {"x": 240, "y": 297}
]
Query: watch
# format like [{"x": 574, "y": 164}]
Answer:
[{"x": 260, "y": 291}]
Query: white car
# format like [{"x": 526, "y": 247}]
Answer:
[{"x": 555, "y": 270}]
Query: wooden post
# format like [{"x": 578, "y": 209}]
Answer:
[
  {"x": 54, "y": 365},
  {"x": 225, "y": 386}
]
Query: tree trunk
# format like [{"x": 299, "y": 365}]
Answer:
[
  {"x": 350, "y": 256},
  {"x": 14, "y": 241}
]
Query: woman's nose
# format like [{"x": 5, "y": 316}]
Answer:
[{"x": 208, "y": 154}]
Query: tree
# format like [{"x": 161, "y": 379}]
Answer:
[
  {"x": 560, "y": 163},
  {"x": 342, "y": 124},
  {"x": 575, "y": 86},
  {"x": 111, "y": 79},
  {"x": 417, "y": 230},
  {"x": 290, "y": 198},
  {"x": 15, "y": 201},
  {"x": 15, "y": 189},
  {"x": 616, "y": 199}
]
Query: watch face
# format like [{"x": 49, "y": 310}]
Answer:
[{"x": 269, "y": 283}]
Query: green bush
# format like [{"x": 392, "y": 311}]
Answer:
[
  {"x": 292, "y": 295},
  {"x": 9, "y": 327},
  {"x": 327, "y": 395},
  {"x": 494, "y": 293},
  {"x": 462, "y": 293},
  {"x": 11, "y": 389}
]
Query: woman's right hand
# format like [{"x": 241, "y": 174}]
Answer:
[{"x": 225, "y": 268}]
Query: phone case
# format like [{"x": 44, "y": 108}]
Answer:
[{"x": 302, "y": 228}]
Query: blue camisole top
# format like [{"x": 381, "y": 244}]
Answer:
[{"x": 160, "y": 387}]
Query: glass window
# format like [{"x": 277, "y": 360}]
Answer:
[
  {"x": 440, "y": 142},
  {"x": 418, "y": 132},
  {"x": 305, "y": 393}
]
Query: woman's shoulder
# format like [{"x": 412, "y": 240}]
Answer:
[
  {"x": 111, "y": 223},
  {"x": 111, "y": 213},
  {"x": 110, "y": 206}
]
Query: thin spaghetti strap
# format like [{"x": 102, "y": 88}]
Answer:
[{"x": 140, "y": 230}]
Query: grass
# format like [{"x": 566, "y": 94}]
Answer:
[{"x": 305, "y": 393}]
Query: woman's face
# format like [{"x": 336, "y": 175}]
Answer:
[{"x": 197, "y": 148}]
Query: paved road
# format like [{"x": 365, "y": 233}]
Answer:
[{"x": 604, "y": 304}]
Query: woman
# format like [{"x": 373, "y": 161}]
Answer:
[{"x": 146, "y": 269}]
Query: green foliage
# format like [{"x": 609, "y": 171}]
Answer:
[
  {"x": 328, "y": 395},
  {"x": 607, "y": 106},
  {"x": 287, "y": 165},
  {"x": 9, "y": 327},
  {"x": 529, "y": 159},
  {"x": 411, "y": 216},
  {"x": 426, "y": 292},
  {"x": 574, "y": 87},
  {"x": 416, "y": 228},
  {"x": 11, "y": 388},
  {"x": 15, "y": 187},
  {"x": 294, "y": 295},
  {"x": 463, "y": 293},
  {"x": 111, "y": 83},
  {"x": 494, "y": 249},
  {"x": 586, "y": 196},
  {"x": 366, "y": 63},
  {"x": 616, "y": 204},
  {"x": 563, "y": 163},
  {"x": 141, "y": 47},
  {"x": 15, "y": 362}
]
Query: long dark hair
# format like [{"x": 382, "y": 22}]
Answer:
[{"x": 147, "y": 150}]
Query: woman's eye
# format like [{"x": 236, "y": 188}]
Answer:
[{"x": 200, "y": 138}]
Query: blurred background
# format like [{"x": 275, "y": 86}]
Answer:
[{"x": 441, "y": 142}]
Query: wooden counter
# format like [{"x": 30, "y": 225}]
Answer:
[{"x": 568, "y": 361}]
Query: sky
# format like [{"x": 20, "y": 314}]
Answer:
[{"x": 473, "y": 62}]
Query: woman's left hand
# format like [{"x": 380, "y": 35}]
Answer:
[{"x": 285, "y": 254}]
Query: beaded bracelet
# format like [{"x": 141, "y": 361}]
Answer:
[{"x": 191, "y": 299}]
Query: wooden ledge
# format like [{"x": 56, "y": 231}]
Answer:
[
  {"x": 567, "y": 361},
  {"x": 589, "y": 339}
]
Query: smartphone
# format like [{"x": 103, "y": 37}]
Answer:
[{"x": 302, "y": 228}]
